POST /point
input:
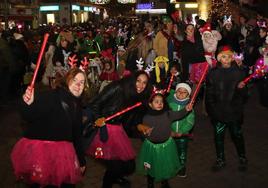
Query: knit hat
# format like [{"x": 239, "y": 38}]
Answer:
[
  {"x": 121, "y": 48},
  {"x": 185, "y": 86},
  {"x": 225, "y": 50}
]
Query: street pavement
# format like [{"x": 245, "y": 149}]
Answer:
[{"x": 201, "y": 153}]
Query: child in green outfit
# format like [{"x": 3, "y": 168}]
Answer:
[
  {"x": 158, "y": 158},
  {"x": 180, "y": 129}
]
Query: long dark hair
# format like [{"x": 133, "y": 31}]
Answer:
[{"x": 128, "y": 85}]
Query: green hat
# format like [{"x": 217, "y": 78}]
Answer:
[{"x": 166, "y": 19}]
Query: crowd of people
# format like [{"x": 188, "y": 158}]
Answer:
[{"x": 157, "y": 63}]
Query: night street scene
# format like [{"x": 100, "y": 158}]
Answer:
[{"x": 133, "y": 93}]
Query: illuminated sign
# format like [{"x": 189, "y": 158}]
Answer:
[
  {"x": 50, "y": 8},
  {"x": 75, "y": 7},
  {"x": 144, "y": 6},
  {"x": 151, "y": 11}
]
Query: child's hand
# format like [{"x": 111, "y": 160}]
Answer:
[
  {"x": 146, "y": 130},
  {"x": 28, "y": 96},
  {"x": 176, "y": 135},
  {"x": 100, "y": 122},
  {"x": 241, "y": 85},
  {"x": 189, "y": 107}
]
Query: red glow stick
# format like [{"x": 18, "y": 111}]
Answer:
[
  {"x": 246, "y": 80},
  {"x": 257, "y": 72},
  {"x": 39, "y": 60},
  {"x": 123, "y": 111},
  {"x": 199, "y": 85},
  {"x": 170, "y": 82}
]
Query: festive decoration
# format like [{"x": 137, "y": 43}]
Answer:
[
  {"x": 260, "y": 70},
  {"x": 123, "y": 111},
  {"x": 72, "y": 61},
  {"x": 192, "y": 101},
  {"x": 98, "y": 152},
  {"x": 108, "y": 54},
  {"x": 158, "y": 91},
  {"x": 238, "y": 57},
  {"x": 140, "y": 63},
  {"x": 262, "y": 24},
  {"x": 170, "y": 82},
  {"x": 220, "y": 8},
  {"x": 84, "y": 64},
  {"x": 39, "y": 60}
]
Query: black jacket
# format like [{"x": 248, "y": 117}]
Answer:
[
  {"x": 224, "y": 100},
  {"x": 49, "y": 121},
  {"x": 191, "y": 53}
]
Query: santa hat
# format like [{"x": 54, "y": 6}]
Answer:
[
  {"x": 225, "y": 50},
  {"x": 185, "y": 86},
  {"x": 205, "y": 28}
]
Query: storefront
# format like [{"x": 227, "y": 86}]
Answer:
[
  {"x": 191, "y": 8},
  {"x": 65, "y": 13}
]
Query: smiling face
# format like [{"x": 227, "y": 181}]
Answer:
[
  {"x": 77, "y": 84},
  {"x": 141, "y": 83},
  {"x": 157, "y": 103},
  {"x": 226, "y": 60},
  {"x": 181, "y": 93},
  {"x": 189, "y": 30}
]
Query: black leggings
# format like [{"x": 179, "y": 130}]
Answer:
[{"x": 117, "y": 169}]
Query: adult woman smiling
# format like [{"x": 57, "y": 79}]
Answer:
[
  {"x": 115, "y": 146},
  {"x": 50, "y": 152}
]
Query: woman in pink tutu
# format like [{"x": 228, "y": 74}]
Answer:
[
  {"x": 111, "y": 143},
  {"x": 50, "y": 154}
]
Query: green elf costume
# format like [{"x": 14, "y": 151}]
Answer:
[{"x": 182, "y": 127}]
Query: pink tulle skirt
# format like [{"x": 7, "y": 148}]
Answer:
[
  {"x": 197, "y": 70},
  {"x": 117, "y": 147},
  {"x": 45, "y": 162}
]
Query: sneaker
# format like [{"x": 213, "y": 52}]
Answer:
[
  {"x": 182, "y": 173},
  {"x": 243, "y": 164},
  {"x": 219, "y": 165}
]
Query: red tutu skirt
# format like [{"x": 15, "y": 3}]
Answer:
[
  {"x": 197, "y": 70},
  {"x": 117, "y": 147},
  {"x": 45, "y": 162}
]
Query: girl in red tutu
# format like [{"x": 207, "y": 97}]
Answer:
[
  {"x": 111, "y": 143},
  {"x": 50, "y": 154}
]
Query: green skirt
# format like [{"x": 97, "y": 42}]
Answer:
[{"x": 160, "y": 161}]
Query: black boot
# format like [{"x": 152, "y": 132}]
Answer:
[
  {"x": 150, "y": 182},
  {"x": 182, "y": 173},
  {"x": 243, "y": 164},
  {"x": 123, "y": 182},
  {"x": 165, "y": 184},
  {"x": 219, "y": 165}
]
